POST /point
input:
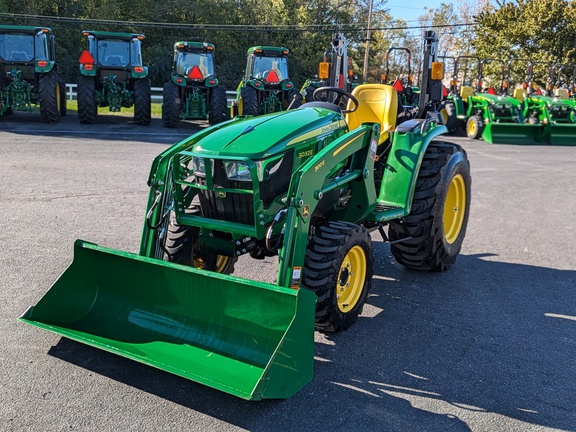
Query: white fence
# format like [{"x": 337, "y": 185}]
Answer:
[{"x": 156, "y": 93}]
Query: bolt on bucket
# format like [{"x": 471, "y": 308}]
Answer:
[
  {"x": 514, "y": 133},
  {"x": 247, "y": 338}
]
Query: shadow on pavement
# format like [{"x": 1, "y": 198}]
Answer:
[{"x": 432, "y": 351}]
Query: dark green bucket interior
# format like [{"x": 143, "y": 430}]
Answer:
[
  {"x": 514, "y": 133},
  {"x": 563, "y": 134},
  {"x": 247, "y": 338}
]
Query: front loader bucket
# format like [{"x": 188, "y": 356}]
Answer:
[
  {"x": 563, "y": 134},
  {"x": 514, "y": 133},
  {"x": 250, "y": 339}
]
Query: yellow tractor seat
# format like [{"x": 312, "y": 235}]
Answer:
[
  {"x": 466, "y": 92},
  {"x": 562, "y": 93},
  {"x": 520, "y": 94},
  {"x": 377, "y": 103}
]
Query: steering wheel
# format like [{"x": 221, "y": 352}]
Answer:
[{"x": 341, "y": 94}]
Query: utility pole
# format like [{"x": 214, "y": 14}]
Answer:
[{"x": 368, "y": 34}]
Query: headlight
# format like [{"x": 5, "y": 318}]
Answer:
[
  {"x": 237, "y": 171},
  {"x": 198, "y": 166}
]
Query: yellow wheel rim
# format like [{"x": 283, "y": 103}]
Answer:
[
  {"x": 351, "y": 278},
  {"x": 454, "y": 208},
  {"x": 221, "y": 263},
  {"x": 240, "y": 106},
  {"x": 472, "y": 128},
  {"x": 444, "y": 115}
]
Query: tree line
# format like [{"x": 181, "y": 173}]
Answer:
[{"x": 540, "y": 29}]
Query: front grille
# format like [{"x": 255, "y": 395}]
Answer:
[{"x": 229, "y": 207}]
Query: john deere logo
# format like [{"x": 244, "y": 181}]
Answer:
[
  {"x": 221, "y": 194},
  {"x": 306, "y": 210}
]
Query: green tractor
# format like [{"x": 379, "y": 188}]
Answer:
[
  {"x": 193, "y": 91},
  {"x": 112, "y": 75},
  {"x": 28, "y": 76},
  {"x": 554, "y": 108},
  {"x": 489, "y": 113},
  {"x": 333, "y": 71},
  {"x": 307, "y": 185},
  {"x": 266, "y": 87}
]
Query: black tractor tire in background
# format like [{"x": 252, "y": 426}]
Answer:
[
  {"x": 142, "y": 101},
  {"x": 171, "y": 105},
  {"x": 475, "y": 127},
  {"x": 449, "y": 113},
  {"x": 309, "y": 93},
  {"x": 87, "y": 107},
  {"x": 63, "y": 107},
  {"x": 219, "y": 105},
  {"x": 250, "y": 105},
  {"x": 439, "y": 214},
  {"x": 293, "y": 99},
  {"x": 49, "y": 96},
  {"x": 338, "y": 268}
]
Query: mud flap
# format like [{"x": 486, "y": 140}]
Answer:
[
  {"x": 514, "y": 133},
  {"x": 247, "y": 338}
]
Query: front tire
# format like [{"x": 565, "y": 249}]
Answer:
[
  {"x": 181, "y": 247},
  {"x": 142, "y": 101},
  {"x": 440, "y": 209},
  {"x": 87, "y": 107},
  {"x": 474, "y": 127},
  {"x": 63, "y": 106},
  {"x": 339, "y": 269},
  {"x": 219, "y": 109},
  {"x": 49, "y": 97}
]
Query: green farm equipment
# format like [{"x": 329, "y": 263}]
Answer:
[
  {"x": 490, "y": 114},
  {"x": 112, "y": 75},
  {"x": 554, "y": 108},
  {"x": 266, "y": 87},
  {"x": 28, "y": 76},
  {"x": 307, "y": 185},
  {"x": 193, "y": 91},
  {"x": 333, "y": 71}
]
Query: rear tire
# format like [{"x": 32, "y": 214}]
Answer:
[
  {"x": 171, "y": 104},
  {"x": 440, "y": 209},
  {"x": 450, "y": 119},
  {"x": 293, "y": 99},
  {"x": 142, "y": 101},
  {"x": 474, "y": 127},
  {"x": 87, "y": 107},
  {"x": 219, "y": 109},
  {"x": 249, "y": 97},
  {"x": 338, "y": 268},
  {"x": 63, "y": 98},
  {"x": 49, "y": 97}
]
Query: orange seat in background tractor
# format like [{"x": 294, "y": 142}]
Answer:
[{"x": 377, "y": 103}]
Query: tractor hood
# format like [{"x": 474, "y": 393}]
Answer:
[
  {"x": 555, "y": 101},
  {"x": 260, "y": 137},
  {"x": 496, "y": 99}
]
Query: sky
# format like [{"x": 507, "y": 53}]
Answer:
[{"x": 410, "y": 11}]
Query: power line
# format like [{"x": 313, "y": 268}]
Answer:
[{"x": 229, "y": 27}]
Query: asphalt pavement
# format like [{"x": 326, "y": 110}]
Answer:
[{"x": 488, "y": 346}]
